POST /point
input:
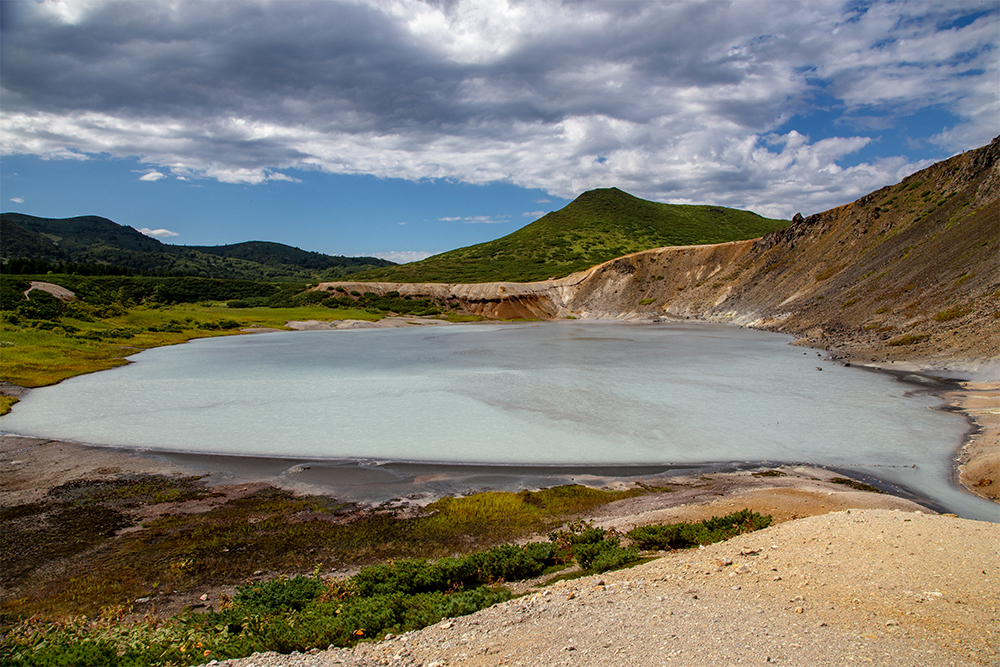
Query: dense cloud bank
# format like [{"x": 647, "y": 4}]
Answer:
[{"x": 679, "y": 101}]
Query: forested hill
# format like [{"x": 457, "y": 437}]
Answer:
[
  {"x": 91, "y": 244},
  {"x": 596, "y": 227}
]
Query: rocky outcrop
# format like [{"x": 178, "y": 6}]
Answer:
[{"x": 911, "y": 271}]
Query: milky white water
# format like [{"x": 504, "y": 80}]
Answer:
[{"x": 550, "y": 393}]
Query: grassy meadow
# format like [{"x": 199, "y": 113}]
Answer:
[
  {"x": 598, "y": 226},
  {"x": 35, "y": 356}
]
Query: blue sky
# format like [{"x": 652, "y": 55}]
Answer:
[{"x": 403, "y": 129}]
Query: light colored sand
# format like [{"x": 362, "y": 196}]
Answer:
[{"x": 979, "y": 463}]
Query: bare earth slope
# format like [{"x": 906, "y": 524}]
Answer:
[{"x": 857, "y": 587}]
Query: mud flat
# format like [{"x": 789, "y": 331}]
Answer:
[{"x": 30, "y": 467}]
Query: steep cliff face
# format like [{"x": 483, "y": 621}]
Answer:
[
  {"x": 908, "y": 271},
  {"x": 911, "y": 271}
]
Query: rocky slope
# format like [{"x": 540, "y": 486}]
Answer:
[{"x": 911, "y": 271}]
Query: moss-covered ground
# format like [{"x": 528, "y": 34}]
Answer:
[{"x": 79, "y": 559}]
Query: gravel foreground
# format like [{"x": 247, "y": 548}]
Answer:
[{"x": 882, "y": 587}]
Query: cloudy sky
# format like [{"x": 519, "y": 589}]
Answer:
[{"x": 390, "y": 126}]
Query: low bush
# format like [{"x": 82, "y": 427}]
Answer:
[
  {"x": 279, "y": 594},
  {"x": 303, "y": 612},
  {"x": 685, "y": 535}
]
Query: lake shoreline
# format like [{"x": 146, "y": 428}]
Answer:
[{"x": 976, "y": 461}]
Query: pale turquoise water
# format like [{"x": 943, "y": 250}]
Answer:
[{"x": 550, "y": 393}]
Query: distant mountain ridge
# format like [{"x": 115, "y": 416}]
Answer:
[
  {"x": 597, "y": 226},
  {"x": 93, "y": 240}
]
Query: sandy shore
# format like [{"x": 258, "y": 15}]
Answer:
[{"x": 979, "y": 461}]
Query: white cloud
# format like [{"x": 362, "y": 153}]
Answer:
[
  {"x": 157, "y": 233},
  {"x": 477, "y": 219},
  {"x": 695, "y": 101},
  {"x": 533, "y": 214},
  {"x": 403, "y": 257},
  {"x": 17, "y": 200},
  {"x": 486, "y": 220}
]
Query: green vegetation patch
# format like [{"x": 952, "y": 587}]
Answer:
[
  {"x": 6, "y": 403},
  {"x": 855, "y": 484},
  {"x": 828, "y": 273},
  {"x": 909, "y": 339},
  {"x": 270, "y": 530},
  {"x": 46, "y": 340},
  {"x": 685, "y": 535},
  {"x": 951, "y": 314},
  {"x": 298, "y": 613},
  {"x": 598, "y": 226}
]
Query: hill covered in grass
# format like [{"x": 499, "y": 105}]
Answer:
[
  {"x": 597, "y": 226},
  {"x": 94, "y": 245}
]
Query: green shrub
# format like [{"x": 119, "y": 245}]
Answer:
[
  {"x": 511, "y": 563},
  {"x": 278, "y": 594},
  {"x": 41, "y": 305},
  {"x": 685, "y": 535},
  {"x": 613, "y": 558}
]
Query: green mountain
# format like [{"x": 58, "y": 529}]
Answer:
[
  {"x": 95, "y": 243},
  {"x": 597, "y": 226}
]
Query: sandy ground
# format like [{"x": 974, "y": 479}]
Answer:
[{"x": 979, "y": 462}]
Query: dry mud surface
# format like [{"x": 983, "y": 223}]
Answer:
[{"x": 883, "y": 587}]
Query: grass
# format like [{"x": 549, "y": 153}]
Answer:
[
  {"x": 6, "y": 403},
  {"x": 598, "y": 226},
  {"x": 951, "y": 314},
  {"x": 909, "y": 339},
  {"x": 828, "y": 273},
  {"x": 42, "y": 352},
  {"x": 271, "y": 530},
  {"x": 298, "y": 613}
]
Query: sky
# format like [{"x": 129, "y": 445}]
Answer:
[{"x": 402, "y": 129}]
